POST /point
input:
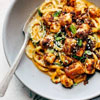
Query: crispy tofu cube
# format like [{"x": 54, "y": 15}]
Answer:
[
  {"x": 47, "y": 41},
  {"x": 65, "y": 19},
  {"x": 89, "y": 66},
  {"x": 64, "y": 2},
  {"x": 48, "y": 19},
  {"x": 67, "y": 82},
  {"x": 80, "y": 6},
  {"x": 80, "y": 78},
  {"x": 83, "y": 31},
  {"x": 74, "y": 70},
  {"x": 68, "y": 9},
  {"x": 81, "y": 50},
  {"x": 94, "y": 11},
  {"x": 49, "y": 58},
  {"x": 98, "y": 65},
  {"x": 66, "y": 59},
  {"x": 71, "y": 3},
  {"x": 69, "y": 45},
  {"x": 55, "y": 27}
]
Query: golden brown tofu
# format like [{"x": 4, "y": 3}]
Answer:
[
  {"x": 47, "y": 41},
  {"x": 94, "y": 11},
  {"x": 67, "y": 9},
  {"x": 74, "y": 70},
  {"x": 80, "y": 7},
  {"x": 69, "y": 44},
  {"x": 48, "y": 19},
  {"x": 89, "y": 66},
  {"x": 81, "y": 50},
  {"x": 65, "y": 19},
  {"x": 69, "y": 33},
  {"x": 98, "y": 65},
  {"x": 83, "y": 31},
  {"x": 80, "y": 78},
  {"x": 67, "y": 82},
  {"x": 71, "y": 2},
  {"x": 66, "y": 59},
  {"x": 64, "y": 2},
  {"x": 49, "y": 58},
  {"x": 55, "y": 27}
]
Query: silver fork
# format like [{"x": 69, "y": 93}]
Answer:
[{"x": 5, "y": 82}]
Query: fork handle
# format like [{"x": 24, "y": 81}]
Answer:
[{"x": 5, "y": 82}]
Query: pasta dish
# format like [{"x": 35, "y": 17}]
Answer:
[{"x": 65, "y": 40}]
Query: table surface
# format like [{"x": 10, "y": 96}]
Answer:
[{"x": 16, "y": 89}]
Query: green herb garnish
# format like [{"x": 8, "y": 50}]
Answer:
[
  {"x": 59, "y": 33},
  {"x": 50, "y": 50},
  {"x": 39, "y": 12},
  {"x": 79, "y": 42},
  {"x": 60, "y": 38},
  {"x": 56, "y": 14},
  {"x": 98, "y": 28},
  {"x": 66, "y": 61},
  {"x": 76, "y": 57},
  {"x": 57, "y": 64},
  {"x": 75, "y": 84},
  {"x": 73, "y": 29},
  {"x": 82, "y": 59},
  {"x": 88, "y": 52}
]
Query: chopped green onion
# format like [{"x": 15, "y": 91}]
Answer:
[
  {"x": 76, "y": 57},
  {"x": 73, "y": 29},
  {"x": 59, "y": 38},
  {"x": 66, "y": 61},
  {"x": 79, "y": 42},
  {"x": 79, "y": 58},
  {"x": 59, "y": 33},
  {"x": 98, "y": 28},
  {"x": 39, "y": 12},
  {"x": 75, "y": 84},
  {"x": 57, "y": 64},
  {"x": 56, "y": 14},
  {"x": 50, "y": 50},
  {"x": 88, "y": 52}
]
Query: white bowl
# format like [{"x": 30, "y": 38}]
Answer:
[{"x": 29, "y": 75}]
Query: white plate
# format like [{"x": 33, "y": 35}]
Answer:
[{"x": 29, "y": 75}]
